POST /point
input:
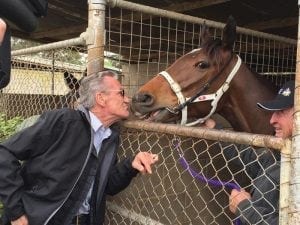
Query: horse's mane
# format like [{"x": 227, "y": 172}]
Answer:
[
  {"x": 212, "y": 48},
  {"x": 265, "y": 81}
]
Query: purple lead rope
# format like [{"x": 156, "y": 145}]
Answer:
[
  {"x": 202, "y": 178},
  {"x": 209, "y": 181}
]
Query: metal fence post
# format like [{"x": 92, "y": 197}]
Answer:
[
  {"x": 95, "y": 38},
  {"x": 294, "y": 211},
  {"x": 285, "y": 169}
]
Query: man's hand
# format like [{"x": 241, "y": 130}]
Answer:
[
  {"x": 209, "y": 123},
  {"x": 236, "y": 197},
  {"x": 20, "y": 221},
  {"x": 143, "y": 161}
]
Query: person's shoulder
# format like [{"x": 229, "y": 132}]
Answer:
[
  {"x": 58, "y": 111},
  {"x": 63, "y": 113}
]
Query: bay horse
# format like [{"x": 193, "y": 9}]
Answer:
[{"x": 207, "y": 80}]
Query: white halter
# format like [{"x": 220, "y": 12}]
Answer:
[{"x": 215, "y": 97}]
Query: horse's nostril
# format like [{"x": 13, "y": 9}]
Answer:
[{"x": 142, "y": 98}]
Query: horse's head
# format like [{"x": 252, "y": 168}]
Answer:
[{"x": 189, "y": 85}]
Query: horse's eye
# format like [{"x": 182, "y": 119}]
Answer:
[{"x": 202, "y": 65}]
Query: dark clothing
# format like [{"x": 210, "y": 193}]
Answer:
[
  {"x": 5, "y": 60},
  {"x": 262, "y": 166},
  {"x": 70, "y": 207},
  {"x": 55, "y": 152}
]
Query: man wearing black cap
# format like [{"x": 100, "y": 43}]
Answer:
[
  {"x": 283, "y": 109},
  {"x": 261, "y": 206}
]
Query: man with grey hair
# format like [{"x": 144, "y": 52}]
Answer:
[{"x": 69, "y": 160}]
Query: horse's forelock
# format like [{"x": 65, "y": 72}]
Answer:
[{"x": 212, "y": 49}]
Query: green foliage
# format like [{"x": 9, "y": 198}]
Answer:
[
  {"x": 17, "y": 43},
  {"x": 8, "y": 126},
  {"x": 1, "y": 211}
]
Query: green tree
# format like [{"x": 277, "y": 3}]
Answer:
[{"x": 8, "y": 126}]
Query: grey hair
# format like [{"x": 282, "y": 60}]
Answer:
[{"x": 92, "y": 84}]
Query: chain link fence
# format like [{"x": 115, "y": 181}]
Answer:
[
  {"x": 39, "y": 81},
  {"x": 194, "y": 177}
]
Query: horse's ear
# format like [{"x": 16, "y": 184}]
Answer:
[
  {"x": 229, "y": 34},
  {"x": 205, "y": 34}
]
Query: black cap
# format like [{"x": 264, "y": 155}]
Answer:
[{"x": 283, "y": 100}]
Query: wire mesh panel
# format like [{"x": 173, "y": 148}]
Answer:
[
  {"x": 192, "y": 181},
  {"x": 271, "y": 58},
  {"x": 145, "y": 44}
]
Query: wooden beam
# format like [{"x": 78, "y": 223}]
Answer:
[
  {"x": 188, "y": 5},
  {"x": 181, "y": 7},
  {"x": 275, "y": 23},
  {"x": 58, "y": 32},
  {"x": 72, "y": 13}
]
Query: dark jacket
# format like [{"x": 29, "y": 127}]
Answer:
[
  {"x": 262, "y": 166},
  {"x": 5, "y": 58},
  {"x": 54, "y": 152}
]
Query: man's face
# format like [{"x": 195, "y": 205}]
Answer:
[
  {"x": 116, "y": 104},
  {"x": 282, "y": 121}
]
